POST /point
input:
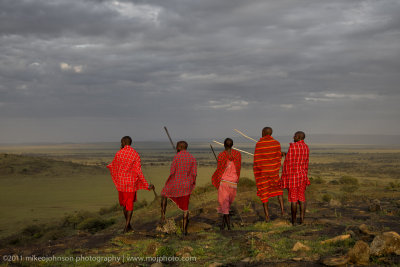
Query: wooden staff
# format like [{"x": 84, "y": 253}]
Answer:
[
  {"x": 234, "y": 148},
  {"x": 212, "y": 149},
  {"x": 248, "y": 137},
  {"x": 169, "y": 137}
]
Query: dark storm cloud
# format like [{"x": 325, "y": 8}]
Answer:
[{"x": 316, "y": 65}]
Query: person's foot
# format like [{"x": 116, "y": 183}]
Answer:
[
  {"x": 162, "y": 221},
  {"x": 267, "y": 219},
  {"x": 127, "y": 230}
]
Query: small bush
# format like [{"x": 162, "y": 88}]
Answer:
[
  {"x": 113, "y": 208},
  {"x": 318, "y": 180},
  {"x": 394, "y": 185},
  {"x": 348, "y": 180},
  {"x": 140, "y": 204},
  {"x": 349, "y": 188},
  {"x": 55, "y": 234},
  {"x": 94, "y": 224},
  {"x": 75, "y": 219},
  {"x": 334, "y": 182},
  {"x": 326, "y": 198},
  {"x": 203, "y": 189},
  {"x": 246, "y": 182},
  {"x": 165, "y": 251},
  {"x": 34, "y": 231}
]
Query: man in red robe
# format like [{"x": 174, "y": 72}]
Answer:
[
  {"x": 180, "y": 183},
  {"x": 267, "y": 162},
  {"x": 126, "y": 173},
  {"x": 226, "y": 178},
  {"x": 294, "y": 174}
]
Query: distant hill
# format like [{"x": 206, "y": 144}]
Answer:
[{"x": 11, "y": 165}]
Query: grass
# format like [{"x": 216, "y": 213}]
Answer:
[{"x": 42, "y": 190}]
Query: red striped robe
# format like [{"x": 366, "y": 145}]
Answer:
[{"x": 267, "y": 162}]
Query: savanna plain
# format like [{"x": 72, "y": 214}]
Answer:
[{"x": 59, "y": 199}]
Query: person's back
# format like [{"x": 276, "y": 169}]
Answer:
[
  {"x": 267, "y": 162},
  {"x": 183, "y": 175},
  {"x": 126, "y": 173},
  {"x": 225, "y": 179},
  {"x": 180, "y": 183},
  {"x": 294, "y": 174},
  {"x": 295, "y": 167}
]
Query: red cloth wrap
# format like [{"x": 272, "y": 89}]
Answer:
[
  {"x": 126, "y": 171},
  {"x": 267, "y": 162},
  {"x": 182, "y": 178},
  {"x": 223, "y": 159},
  {"x": 182, "y": 202},
  {"x": 126, "y": 199},
  {"x": 297, "y": 193},
  {"x": 295, "y": 166}
]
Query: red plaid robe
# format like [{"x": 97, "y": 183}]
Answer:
[
  {"x": 182, "y": 178},
  {"x": 267, "y": 162},
  {"x": 295, "y": 166},
  {"x": 126, "y": 171},
  {"x": 223, "y": 158}
]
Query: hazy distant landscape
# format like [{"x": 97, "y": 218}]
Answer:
[
  {"x": 45, "y": 182},
  {"x": 63, "y": 194}
]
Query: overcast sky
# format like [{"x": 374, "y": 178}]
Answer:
[{"x": 95, "y": 70}]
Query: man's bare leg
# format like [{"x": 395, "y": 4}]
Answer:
[
  {"x": 223, "y": 224},
  {"x": 294, "y": 211},
  {"x": 128, "y": 226},
  {"x": 266, "y": 211},
  {"x": 163, "y": 209},
  {"x": 280, "y": 198},
  {"x": 227, "y": 220},
  {"x": 302, "y": 211},
  {"x": 125, "y": 213},
  {"x": 185, "y": 222}
]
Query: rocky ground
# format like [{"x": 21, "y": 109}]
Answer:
[{"x": 360, "y": 231}]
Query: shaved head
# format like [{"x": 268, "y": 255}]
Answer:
[
  {"x": 181, "y": 145},
  {"x": 228, "y": 143},
  {"x": 126, "y": 141},
  {"x": 266, "y": 131},
  {"x": 299, "y": 135}
]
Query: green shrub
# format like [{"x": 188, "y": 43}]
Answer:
[
  {"x": 326, "y": 198},
  {"x": 140, "y": 204},
  {"x": 34, "y": 231},
  {"x": 203, "y": 189},
  {"x": 74, "y": 219},
  {"x": 246, "y": 182},
  {"x": 113, "y": 208},
  {"x": 334, "y": 182},
  {"x": 349, "y": 188},
  {"x": 166, "y": 251},
  {"x": 94, "y": 224},
  {"x": 348, "y": 180},
  {"x": 317, "y": 180}
]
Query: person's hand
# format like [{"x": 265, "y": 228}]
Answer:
[
  {"x": 151, "y": 187},
  {"x": 283, "y": 154}
]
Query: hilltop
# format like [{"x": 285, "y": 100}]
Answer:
[
  {"x": 33, "y": 166},
  {"x": 352, "y": 217}
]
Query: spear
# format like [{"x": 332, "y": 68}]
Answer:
[
  {"x": 248, "y": 137},
  {"x": 169, "y": 137},
  {"x": 214, "y": 153},
  {"x": 234, "y": 148}
]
